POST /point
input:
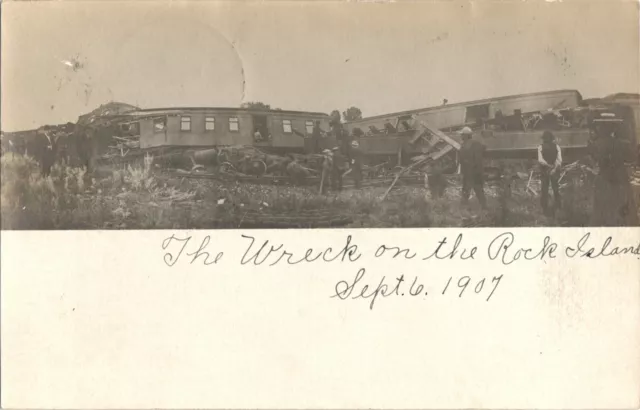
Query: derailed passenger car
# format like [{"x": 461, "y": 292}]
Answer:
[{"x": 510, "y": 127}]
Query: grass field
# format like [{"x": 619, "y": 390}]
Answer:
[{"x": 138, "y": 198}]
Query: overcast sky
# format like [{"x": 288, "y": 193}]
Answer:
[{"x": 306, "y": 56}]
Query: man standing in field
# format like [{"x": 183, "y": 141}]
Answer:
[
  {"x": 436, "y": 180},
  {"x": 327, "y": 168},
  {"x": 614, "y": 203},
  {"x": 339, "y": 166},
  {"x": 356, "y": 163},
  {"x": 48, "y": 157},
  {"x": 316, "y": 137},
  {"x": 472, "y": 168},
  {"x": 550, "y": 160}
]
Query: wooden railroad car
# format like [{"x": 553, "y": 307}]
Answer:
[{"x": 273, "y": 130}]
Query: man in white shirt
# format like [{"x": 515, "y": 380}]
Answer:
[{"x": 550, "y": 160}]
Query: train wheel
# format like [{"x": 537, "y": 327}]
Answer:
[{"x": 259, "y": 167}]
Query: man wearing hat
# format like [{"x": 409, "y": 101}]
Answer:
[
  {"x": 356, "y": 163},
  {"x": 614, "y": 202},
  {"x": 472, "y": 167},
  {"x": 327, "y": 168},
  {"x": 550, "y": 160}
]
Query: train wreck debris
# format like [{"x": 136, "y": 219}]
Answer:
[
  {"x": 439, "y": 145},
  {"x": 421, "y": 147}
]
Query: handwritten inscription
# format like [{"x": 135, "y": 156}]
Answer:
[
  {"x": 180, "y": 244},
  {"x": 584, "y": 249},
  {"x": 443, "y": 250},
  {"x": 502, "y": 248},
  {"x": 271, "y": 254},
  {"x": 505, "y": 249},
  {"x": 355, "y": 289}
]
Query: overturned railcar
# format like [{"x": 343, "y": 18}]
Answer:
[
  {"x": 510, "y": 127},
  {"x": 126, "y": 136}
]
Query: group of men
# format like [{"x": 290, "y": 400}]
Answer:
[
  {"x": 611, "y": 197},
  {"x": 338, "y": 162},
  {"x": 343, "y": 159},
  {"x": 471, "y": 159},
  {"x": 347, "y": 158}
]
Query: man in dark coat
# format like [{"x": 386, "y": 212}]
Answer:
[
  {"x": 435, "y": 177},
  {"x": 346, "y": 143},
  {"x": 83, "y": 149},
  {"x": 472, "y": 167},
  {"x": 48, "y": 156},
  {"x": 316, "y": 137},
  {"x": 339, "y": 166},
  {"x": 550, "y": 161},
  {"x": 356, "y": 163},
  {"x": 338, "y": 133},
  {"x": 614, "y": 202}
]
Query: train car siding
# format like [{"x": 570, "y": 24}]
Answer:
[{"x": 222, "y": 127}]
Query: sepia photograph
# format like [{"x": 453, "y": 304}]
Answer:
[
  {"x": 242, "y": 115},
  {"x": 165, "y": 164}
]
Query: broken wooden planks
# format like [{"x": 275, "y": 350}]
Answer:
[{"x": 431, "y": 157}]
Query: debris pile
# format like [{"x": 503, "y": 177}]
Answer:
[
  {"x": 243, "y": 161},
  {"x": 635, "y": 177},
  {"x": 576, "y": 171},
  {"x": 438, "y": 145},
  {"x": 105, "y": 114}
]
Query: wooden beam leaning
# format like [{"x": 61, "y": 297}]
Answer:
[
  {"x": 438, "y": 153},
  {"x": 440, "y": 135}
]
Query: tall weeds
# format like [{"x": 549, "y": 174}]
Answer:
[
  {"x": 134, "y": 197},
  {"x": 67, "y": 198}
]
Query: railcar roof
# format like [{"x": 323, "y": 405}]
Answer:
[
  {"x": 466, "y": 103},
  {"x": 147, "y": 111}
]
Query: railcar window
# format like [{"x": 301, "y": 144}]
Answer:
[
  {"x": 477, "y": 112},
  {"x": 130, "y": 128},
  {"x": 309, "y": 126},
  {"x": 185, "y": 123},
  {"x": 234, "y": 124},
  {"x": 158, "y": 125},
  {"x": 209, "y": 123},
  {"x": 286, "y": 126},
  {"x": 405, "y": 122}
]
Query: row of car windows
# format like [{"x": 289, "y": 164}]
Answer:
[{"x": 234, "y": 125}]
